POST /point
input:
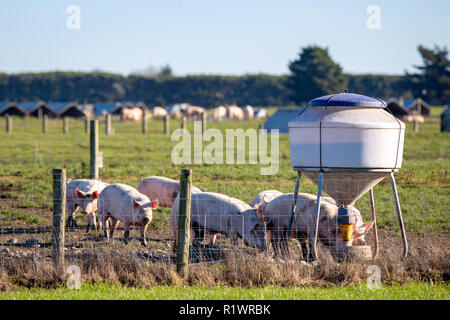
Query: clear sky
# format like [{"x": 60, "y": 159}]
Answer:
[{"x": 216, "y": 37}]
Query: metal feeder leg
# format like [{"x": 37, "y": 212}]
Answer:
[
  {"x": 375, "y": 230},
  {"x": 399, "y": 215},
  {"x": 313, "y": 245},
  {"x": 294, "y": 204}
]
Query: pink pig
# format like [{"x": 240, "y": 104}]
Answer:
[
  {"x": 162, "y": 188},
  {"x": 121, "y": 202}
]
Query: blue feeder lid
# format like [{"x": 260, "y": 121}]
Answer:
[{"x": 347, "y": 100}]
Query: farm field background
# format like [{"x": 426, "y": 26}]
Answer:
[{"x": 27, "y": 157}]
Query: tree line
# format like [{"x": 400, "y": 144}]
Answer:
[{"x": 312, "y": 74}]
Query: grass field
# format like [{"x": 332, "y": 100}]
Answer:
[
  {"x": 411, "y": 291},
  {"x": 27, "y": 157}
]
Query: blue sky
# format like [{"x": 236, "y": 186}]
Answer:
[{"x": 216, "y": 37}]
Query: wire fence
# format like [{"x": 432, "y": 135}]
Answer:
[{"x": 219, "y": 224}]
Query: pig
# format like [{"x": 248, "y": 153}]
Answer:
[
  {"x": 133, "y": 114},
  {"x": 217, "y": 213},
  {"x": 82, "y": 194},
  {"x": 278, "y": 212},
  {"x": 235, "y": 112},
  {"x": 162, "y": 188},
  {"x": 194, "y": 112},
  {"x": 121, "y": 202},
  {"x": 261, "y": 200},
  {"x": 248, "y": 112},
  {"x": 219, "y": 113},
  {"x": 159, "y": 112}
]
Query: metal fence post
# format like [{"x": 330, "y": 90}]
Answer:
[
  {"x": 184, "y": 217},
  {"x": 94, "y": 149},
  {"x": 107, "y": 125},
  {"x": 65, "y": 125},
  {"x": 44, "y": 123},
  {"x": 166, "y": 124},
  {"x": 59, "y": 212},
  {"x": 9, "y": 123}
]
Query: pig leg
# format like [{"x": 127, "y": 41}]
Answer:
[
  {"x": 71, "y": 223},
  {"x": 114, "y": 224},
  {"x": 91, "y": 222},
  {"x": 283, "y": 243},
  {"x": 126, "y": 232},
  {"x": 302, "y": 238},
  {"x": 213, "y": 238},
  {"x": 143, "y": 230},
  {"x": 275, "y": 239},
  {"x": 198, "y": 233}
]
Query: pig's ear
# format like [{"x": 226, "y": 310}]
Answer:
[
  {"x": 135, "y": 204},
  {"x": 155, "y": 204},
  {"x": 95, "y": 194},
  {"x": 80, "y": 194},
  {"x": 258, "y": 213},
  {"x": 362, "y": 230}
]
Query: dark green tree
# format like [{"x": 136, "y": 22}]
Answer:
[
  {"x": 432, "y": 81},
  {"x": 314, "y": 74}
]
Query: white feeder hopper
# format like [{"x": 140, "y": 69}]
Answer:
[{"x": 346, "y": 143}]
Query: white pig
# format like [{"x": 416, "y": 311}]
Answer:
[
  {"x": 121, "y": 202},
  {"x": 162, "y": 188},
  {"x": 82, "y": 194},
  {"x": 261, "y": 200},
  {"x": 217, "y": 213},
  {"x": 278, "y": 212}
]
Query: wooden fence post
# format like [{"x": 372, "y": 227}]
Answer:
[
  {"x": 44, "y": 123},
  {"x": 94, "y": 149},
  {"x": 86, "y": 125},
  {"x": 166, "y": 124},
  {"x": 9, "y": 123},
  {"x": 65, "y": 125},
  {"x": 419, "y": 111},
  {"x": 144, "y": 120},
  {"x": 183, "y": 122},
  {"x": 184, "y": 219},
  {"x": 204, "y": 121},
  {"x": 59, "y": 213},
  {"x": 108, "y": 128}
]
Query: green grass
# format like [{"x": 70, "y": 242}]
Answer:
[
  {"x": 411, "y": 291},
  {"x": 27, "y": 157}
]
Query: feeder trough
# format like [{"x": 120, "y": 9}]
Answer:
[{"x": 346, "y": 143}]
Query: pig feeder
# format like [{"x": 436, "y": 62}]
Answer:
[{"x": 346, "y": 143}]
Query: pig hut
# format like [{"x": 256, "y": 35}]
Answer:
[
  {"x": 103, "y": 108},
  {"x": 12, "y": 109},
  {"x": 424, "y": 107},
  {"x": 396, "y": 109},
  {"x": 445, "y": 120},
  {"x": 280, "y": 120},
  {"x": 33, "y": 108},
  {"x": 72, "y": 110},
  {"x": 117, "y": 110}
]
